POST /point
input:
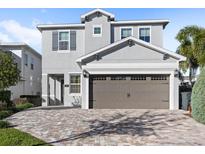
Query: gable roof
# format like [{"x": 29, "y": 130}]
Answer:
[
  {"x": 112, "y": 16},
  {"x": 137, "y": 41}
]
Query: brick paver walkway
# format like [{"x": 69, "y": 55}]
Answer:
[{"x": 110, "y": 127}]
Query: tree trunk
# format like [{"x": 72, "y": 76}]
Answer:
[{"x": 190, "y": 75}]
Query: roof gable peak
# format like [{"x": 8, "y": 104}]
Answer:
[{"x": 110, "y": 15}]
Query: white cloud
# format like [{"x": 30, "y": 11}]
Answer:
[
  {"x": 4, "y": 37},
  {"x": 20, "y": 33},
  {"x": 35, "y": 22}
]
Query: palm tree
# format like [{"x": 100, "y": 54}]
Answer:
[{"x": 192, "y": 46}]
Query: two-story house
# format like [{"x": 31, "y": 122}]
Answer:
[
  {"x": 28, "y": 62},
  {"x": 110, "y": 64}
]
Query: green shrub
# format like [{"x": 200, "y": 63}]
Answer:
[
  {"x": 12, "y": 109},
  {"x": 5, "y": 96},
  {"x": 4, "y": 124},
  {"x": 198, "y": 98},
  {"x": 4, "y": 114},
  {"x": 22, "y": 107}
]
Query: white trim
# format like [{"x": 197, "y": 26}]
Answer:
[
  {"x": 131, "y": 65},
  {"x": 130, "y": 72},
  {"x": 96, "y": 10},
  {"x": 44, "y": 26},
  {"x": 68, "y": 25},
  {"x": 163, "y": 21},
  {"x": 75, "y": 94},
  {"x": 140, "y": 42},
  {"x": 150, "y": 32},
  {"x": 171, "y": 92},
  {"x": 97, "y": 35},
  {"x": 125, "y": 27}
]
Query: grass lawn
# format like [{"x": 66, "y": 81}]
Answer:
[{"x": 14, "y": 137}]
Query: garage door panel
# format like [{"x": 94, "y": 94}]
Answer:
[
  {"x": 143, "y": 93},
  {"x": 112, "y": 94}
]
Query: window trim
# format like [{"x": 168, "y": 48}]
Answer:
[
  {"x": 26, "y": 61},
  {"x": 75, "y": 94},
  {"x": 32, "y": 63},
  {"x": 97, "y": 35},
  {"x": 63, "y": 51},
  {"x": 124, "y": 28},
  {"x": 150, "y": 32}
]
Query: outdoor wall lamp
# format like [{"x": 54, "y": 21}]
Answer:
[
  {"x": 176, "y": 73},
  {"x": 85, "y": 74}
]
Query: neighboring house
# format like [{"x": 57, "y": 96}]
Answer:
[
  {"x": 104, "y": 63},
  {"x": 29, "y": 63}
]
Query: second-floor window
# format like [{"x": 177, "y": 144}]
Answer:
[
  {"x": 63, "y": 41},
  {"x": 126, "y": 32},
  {"x": 97, "y": 30},
  {"x": 144, "y": 34}
]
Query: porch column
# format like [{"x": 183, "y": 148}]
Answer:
[
  {"x": 176, "y": 93},
  {"x": 67, "y": 101},
  {"x": 172, "y": 101},
  {"x": 85, "y": 93},
  {"x": 45, "y": 90}
]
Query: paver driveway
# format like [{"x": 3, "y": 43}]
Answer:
[{"x": 110, "y": 127}]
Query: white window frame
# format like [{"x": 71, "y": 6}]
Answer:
[
  {"x": 75, "y": 94},
  {"x": 124, "y": 28},
  {"x": 97, "y": 26},
  {"x": 150, "y": 32},
  {"x": 26, "y": 60},
  {"x": 63, "y": 51}
]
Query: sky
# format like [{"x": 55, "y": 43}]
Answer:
[{"x": 19, "y": 25}]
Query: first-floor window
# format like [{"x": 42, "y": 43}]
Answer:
[
  {"x": 144, "y": 34},
  {"x": 75, "y": 83}
]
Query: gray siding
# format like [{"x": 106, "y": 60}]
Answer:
[
  {"x": 94, "y": 43},
  {"x": 58, "y": 61},
  {"x": 156, "y": 33},
  {"x": 134, "y": 54}
]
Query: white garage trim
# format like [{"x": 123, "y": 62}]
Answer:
[
  {"x": 173, "y": 102},
  {"x": 131, "y": 65}
]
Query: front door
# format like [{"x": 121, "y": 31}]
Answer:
[{"x": 62, "y": 91}]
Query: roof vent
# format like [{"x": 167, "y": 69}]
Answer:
[{"x": 98, "y": 13}]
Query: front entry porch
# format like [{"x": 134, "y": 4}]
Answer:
[
  {"x": 55, "y": 89},
  {"x": 60, "y": 89}
]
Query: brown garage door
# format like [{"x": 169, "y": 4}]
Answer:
[{"x": 129, "y": 92}]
